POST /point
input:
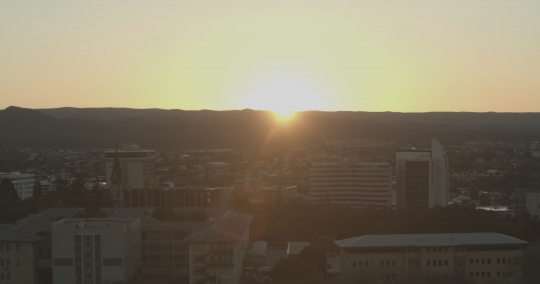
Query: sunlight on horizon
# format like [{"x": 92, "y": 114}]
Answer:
[{"x": 286, "y": 94}]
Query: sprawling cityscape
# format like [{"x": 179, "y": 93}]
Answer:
[
  {"x": 286, "y": 142},
  {"x": 343, "y": 209}
]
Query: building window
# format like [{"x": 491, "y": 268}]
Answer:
[
  {"x": 489, "y": 274},
  {"x": 434, "y": 263},
  {"x": 1, "y": 276},
  {"x": 472, "y": 274},
  {"x": 382, "y": 263},
  {"x": 483, "y": 274},
  {"x": 88, "y": 275},
  {"x": 393, "y": 263},
  {"x": 366, "y": 264},
  {"x": 2, "y": 262},
  {"x": 504, "y": 260},
  {"x": 7, "y": 247},
  {"x": 427, "y": 249},
  {"x": 88, "y": 264},
  {"x": 483, "y": 261},
  {"x": 87, "y": 254},
  {"x": 446, "y": 263},
  {"x": 489, "y": 261},
  {"x": 8, "y": 276},
  {"x": 428, "y": 263},
  {"x": 354, "y": 264},
  {"x": 112, "y": 262},
  {"x": 388, "y": 263},
  {"x": 509, "y": 260},
  {"x": 440, "y": 262},
  {"x": 498, "y": 274},
  {"x": 8, "y": 262},
  {"x": 477, "y": 274},
  {"x": 440, "y": 249},
  {"x": 17, "y": 247},
  {"x": 445, "y": 249},
  {"x": 1, "y": 247},
  {"x": 471, "y": 261},
  {"x": 498, "y": 261},
  {"x": 87, "y": 244},
  {"x": 477, "y": 261},
  {"x": 18, "y": 263}
]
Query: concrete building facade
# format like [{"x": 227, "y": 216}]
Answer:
[
  {"x": 352, "y": 183},
  {"x": 422, "y": 177},
  {"x": 23, "y": 183},
  {"x": 533, "y": 203},
  {"x": 18, "y": 256},
  {"x": 477, "y": 255},
  {"x": 95, "y": 251}
]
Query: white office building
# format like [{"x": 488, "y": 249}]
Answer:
[
  {"x": 352, "y": 183},
  {"x": 24, "y": 183},
  {"x": 422, "y": 177}
]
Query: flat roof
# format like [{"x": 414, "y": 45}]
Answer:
[{"x": 429, "y": 240}]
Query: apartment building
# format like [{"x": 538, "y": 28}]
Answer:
[
  {"x": 422, "y": 177},
  {"x": 352, "y": 183},
  {"x": 137, "y": 166},
  {"x": 23, "y": 183},
  {"x": 477, "y": 255},
  {"x": 95, "y": 251},
  {"x": 18, "y": 261}
]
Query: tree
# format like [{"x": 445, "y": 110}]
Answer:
[
  {"x": 78, "y": 186},
  {"x": 327, "y": 244},
  {"x": 485, "y": 199},
  {"x": 7, "y": 186},
  {"x": 315, "y": 256},
  {"x": 61, "y": 184},
  {"x": 280, "y": 232},
  {"x": 289, "y": 269},
  {"x": 37, "y": 188},
  {"x": 239, "y": 198}
]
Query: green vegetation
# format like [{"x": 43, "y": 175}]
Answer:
[{"x": 168, "y": 214}]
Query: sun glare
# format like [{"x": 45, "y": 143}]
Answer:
[{"x": 284, "y": 95}]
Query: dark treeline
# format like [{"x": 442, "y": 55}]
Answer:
[{"x": 302, "y": 221}]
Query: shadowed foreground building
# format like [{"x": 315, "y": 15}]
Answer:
[
  {"x": 209, "y": 251},
  {"x": 101, "y": 250},
  {"x": 477, "y": 255}
]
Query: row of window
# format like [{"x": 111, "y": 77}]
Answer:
[
  {"x": 436, "y": 263},
  {"x": 435, "y": 249},
  {"x": 7, "y": 276},
  {"x": 382, "y": 263},
  {"x": 7, "y": 247},
  {"x": 488, "y": 274},
  {"x": 488, "y": 261},
  {"x": 7, "y": 262}
]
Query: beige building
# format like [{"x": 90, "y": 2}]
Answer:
[
  {"x": 95, "y": 251},
  {"x": 137, "y": 166},
  {"x": 477, "y": 255},
  {"x": 352, "y": 183},
  {"x": 18, "y": 255}
]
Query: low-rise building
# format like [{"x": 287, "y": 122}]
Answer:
[
  {"x": 18, "y": 255},
  {"x": 477, "y": 255},
  {"x": 533, "y": 203}
]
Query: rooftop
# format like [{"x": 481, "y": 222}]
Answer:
[{"x": 429, "y": 240}]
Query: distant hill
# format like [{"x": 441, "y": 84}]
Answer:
[{"x": 250, "y": 129}]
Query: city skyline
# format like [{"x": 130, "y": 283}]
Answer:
[{"x": 282, "y": 56}]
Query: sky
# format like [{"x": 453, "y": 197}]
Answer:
[{"x": 280, "y": 55}]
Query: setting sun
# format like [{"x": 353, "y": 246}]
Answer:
[{"x": 284, "y": 94}]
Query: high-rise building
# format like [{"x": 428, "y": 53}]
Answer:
[
  {"x": 137, "y": 166},
  {"x": 23, "y": 183},
  {"x": 352, "y": 183},
  {"x": 422, "y": 177},
  {"x": 89, "y": 251}
]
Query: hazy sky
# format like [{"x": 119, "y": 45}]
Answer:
[{"x": 459, "y": 55}]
